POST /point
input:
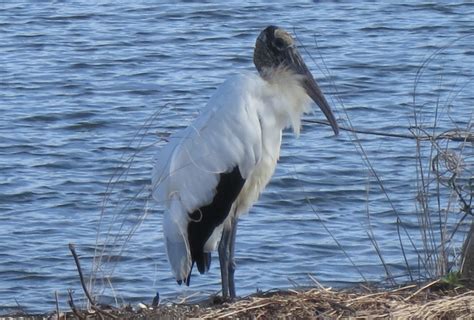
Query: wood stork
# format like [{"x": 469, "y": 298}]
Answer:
[{"x": 214, "y": 170}]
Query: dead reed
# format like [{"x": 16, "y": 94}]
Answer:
[{"x": 434, "y": 300}]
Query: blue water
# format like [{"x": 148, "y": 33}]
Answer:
[{"x": 79, "y": 78}]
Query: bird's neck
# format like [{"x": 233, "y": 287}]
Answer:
[{"x": 286, "y": 99}]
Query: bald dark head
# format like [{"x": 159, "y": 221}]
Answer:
[
  {"x": 271, "y": 48},
  {"x": 276, "y": 49}
]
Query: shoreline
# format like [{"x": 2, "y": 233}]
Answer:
[{"x": 432, "y": 300}]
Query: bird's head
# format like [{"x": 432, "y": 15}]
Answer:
[{"x": 274, "y": 49}]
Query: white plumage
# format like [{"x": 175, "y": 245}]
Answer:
[{"x": 240, "y": 127}]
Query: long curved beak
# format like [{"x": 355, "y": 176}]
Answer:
[{"x": 295, "y": 61}]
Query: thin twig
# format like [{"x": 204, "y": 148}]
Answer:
[
  {"x": 380, "y": 255},
  {"x": 79, "y": 270},
  {"x": 120, "y": 175},
  {"x": 19, "y": 306},
  {"x": 99, "y": 312},
  {"x": 421, "y": 289},
  {"x": 76, "y": 312},
  {"x": 318, "y": 283},
  {"x": 243, "y": 310},
  {"x": 293, "y": 282},
  {"x": 403, "y": 249},
  {"x": 57, "y": 304},
  {"x": 84, "y": 288},
  {"x": 186, "y": 298},
  {"x": 336, "y": 241},
  {"x": 411, "y": 286},
  {"x": 460, "y": 136}
]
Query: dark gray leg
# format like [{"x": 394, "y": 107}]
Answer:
[
  {"x": 231, "y": 266},
  {"x": 224, "y": 261}
]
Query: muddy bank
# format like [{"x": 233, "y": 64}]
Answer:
[{"x": 434, "y": 300}]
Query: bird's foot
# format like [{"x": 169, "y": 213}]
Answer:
[{"x": 217, "y": 300}]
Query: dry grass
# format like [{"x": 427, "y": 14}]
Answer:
[
  {"x": 329, "y": 304},
  {"x": 432, "y": 301}
]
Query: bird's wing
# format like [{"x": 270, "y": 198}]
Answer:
[
  {"x": 224, "y": 139},
  {"x": 226, "y": 134}
]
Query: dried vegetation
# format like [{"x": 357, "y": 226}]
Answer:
[{"x": 435, "y": 300}]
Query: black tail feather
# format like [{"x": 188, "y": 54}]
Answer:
[{"x": 204, "y": 262}]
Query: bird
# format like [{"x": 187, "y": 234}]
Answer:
[
  {"x": 156, "y": 300},
  {"x": 213, "y": 171}
]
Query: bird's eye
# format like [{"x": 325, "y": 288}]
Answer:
[{"x": 279, "y": 43}]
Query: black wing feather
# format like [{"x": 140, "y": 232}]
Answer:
[{"x": 207, "y": 218}]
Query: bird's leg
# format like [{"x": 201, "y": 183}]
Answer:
[
  {"x": 224, "y": 261},
  {"x": 231, "y": 263}
]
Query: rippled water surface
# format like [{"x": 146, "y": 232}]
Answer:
[{"x": 79, "y": 78}]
